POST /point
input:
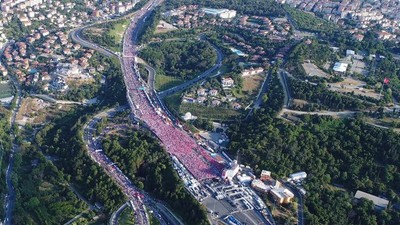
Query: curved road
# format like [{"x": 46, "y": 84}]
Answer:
[
  {"x": 162, "y": 212},
  {"x": 93, "y": 145},
  {"x": 202, "y": 76},
  {"x": 136, "y": 196},
  {"x": 10, "y": 196},
  {"x": 76, "y": 36}
]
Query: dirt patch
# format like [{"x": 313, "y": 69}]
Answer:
[
  {"x": 299, "y": 102},
  {"x": 29, "y": 108},
  {"x": 37, "y": 111},
  {"x": 313, "y": 70},
  {"x": 353, "y": 85},
  {"x": 252, "y": 83},
  {"x": 77, "y": 82},
  {"x": 163, "y": 27}
]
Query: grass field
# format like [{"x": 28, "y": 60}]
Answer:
[
  {"x": 213, "y": 113},
  {"x": 252, "y": 83},
  {"x": 126, "y": 217},
  {"x": 5, "y": 90},
  {"x": 118, "y": 30},
  {"x": 173, "y": 103},
  {"x": 164, "y": 82}
]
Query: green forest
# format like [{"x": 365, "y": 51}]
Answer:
[
  {"x": 340, "y": 156},
  {"x": 347, "y": 153},
  {"x": 144, "y": 161},
  {"x": 183, "y": 59},
  {"x": 43, "y": 195},
  {"x": 43, "y": 187},
  {"x": 309, "y": 22},
  {"x": 327, "y": 99},
  {"x": 5, "y": 145}
]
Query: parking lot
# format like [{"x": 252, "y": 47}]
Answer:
[{"x": 238, "y": 201}]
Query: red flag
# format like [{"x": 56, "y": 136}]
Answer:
[{"x": 386, "y": 80}]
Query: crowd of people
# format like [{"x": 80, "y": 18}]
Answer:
[
  {"x": 113, "y": 171},
  {"x": 176, "y": 141}
]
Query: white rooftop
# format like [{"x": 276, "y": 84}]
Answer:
[
  {"x": 380, "y": 202},
  {"x": 340, "y": 67}
]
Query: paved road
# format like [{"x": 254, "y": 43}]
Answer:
[
  {"x": 10, "y": 197},
  {"x": 114, "y": 217},
  {"x": 202, "y": 76},
  {"x": 76, "y": 217},
  {"x": 161, "y": 212},
  {"x": 286, "y": 89},
  {"x": 150, "y": 70},
  {"x": 300, "y": 206},
  {"x": 76, "y": 36},
  {"x": 94, "y": 150},
  {"x": 53, "y": 100},
  {"x": 343, "y": 114}
]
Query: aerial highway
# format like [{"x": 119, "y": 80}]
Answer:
[
  {"x": 76, "y": 35},
  {"x": 138, "y": 199},
  {"x": 93, "y": 145},
  {"x": 146, "y": 107}
]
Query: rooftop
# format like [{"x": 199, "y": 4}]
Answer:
[{"x": 379, "y": 202}]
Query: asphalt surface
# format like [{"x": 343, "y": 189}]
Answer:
[
  {"x": 201, "y": 77},
  {"x": 162, "y": 213},
  {"x": 283, "y": 79},
  {"x": 10, "y": 196},
  {"x": 77, "y": 36},
  {"x": 95, "y": 152},
  {"x": 117, "y": 213},
  {"x": 300, "y": 205}
]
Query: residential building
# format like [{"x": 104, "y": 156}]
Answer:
[
  {"x": 282, "y": 195},
  {"x": 227, "y": 82}
]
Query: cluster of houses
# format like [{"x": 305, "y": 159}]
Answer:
[
  {"x": 366, "y": 14},
  {"x": 279, "y": 192},
  {"x": 3, "y": 72},
  {"x": 214, "y": 97},
  {"x": 256, "y": 52},
  {"x": 277, "y": 29},
  {"x": 36, "y": 60},
  {"x": 192, "y": 16},
  {"x": 59, "y": 13}
]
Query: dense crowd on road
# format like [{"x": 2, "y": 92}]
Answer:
[
  {"x": 111, "y": 169},
  {"x": 176, "y": 141}
]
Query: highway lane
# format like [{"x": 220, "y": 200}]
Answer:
[
  {"x": 152, "y": 75},
  {"x": 160, "y": 211},
  {"x": 10, "y": 196},
  {"x": 77, "y": 36},
  {"x": 95, "y": 152},
  {"x": 283, "y": 79},
  {"x": 201, "y": 77},
  {"x": 114, "y": 217}
]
